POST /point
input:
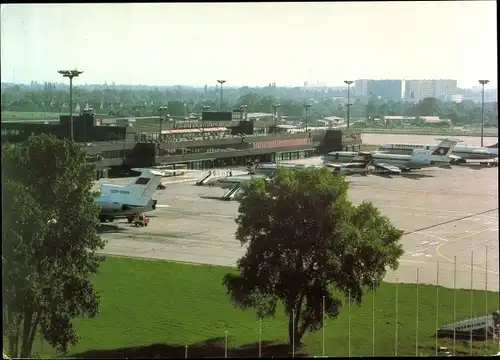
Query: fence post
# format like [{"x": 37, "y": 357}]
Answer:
[
  {"x": 454, "y": 303},
  {"x": 260, "y": 337},
  {"x": 323, "y": 323},
  {"x": 471, "y": 296},
  {"x": 349, "y": 325},
  {"x": 373, "y": 319},
  {"x": 397, "y": 318},
  {"x": 225, "y": 347},
  {"x": 437, "y": 307},
  {"x": 417, "y": 318}
]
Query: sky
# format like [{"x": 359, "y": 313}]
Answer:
[{"x": 250, "y": 43}]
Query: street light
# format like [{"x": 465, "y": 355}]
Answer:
[
  {"x": 163, "y": 114},
  {"x": 70, "y": 74},
  {"x": 221, "y": 82},
  {"x": 204, "y": 108},
  {"x": 482, "y": 82},
  {"x": 348, "y": 82},
  {"x": 276, "y": 107},
  {"x": 306, "y": 107},
  {"x": 243, "y": 111}
]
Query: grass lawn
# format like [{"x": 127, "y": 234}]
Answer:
[{"x": 155, "y": 308}]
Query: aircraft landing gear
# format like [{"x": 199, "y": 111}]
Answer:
[{"x": 104, "y": 218}]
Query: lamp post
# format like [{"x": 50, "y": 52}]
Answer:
[
  {"x": 482, "y": 82},
  {"x": 243, "y": 111},
  {"x": 348, "y": 82},
  {"x": 203, "y": 109},
  {"x": 306, "y": 107},
  {"x": 70, "y": 74},
  {"x": 221, "y": 82},
  {"x": 276, "y": 107},
  {"x": 163, "y": 115}
]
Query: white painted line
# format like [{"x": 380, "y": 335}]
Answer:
[
  {"x": 413, "y": 261},
  {"x": 437, "y": 237},
  {"x": 162, "y": 206}
]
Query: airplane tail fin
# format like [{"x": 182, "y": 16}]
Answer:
[
  {"x": 445, "y": 147},
  {"x": 146, "y": 184}
]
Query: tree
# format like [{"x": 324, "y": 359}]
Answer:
[
  {"x": 49, "y": 242},
  {"x": 307, "y": 242}
]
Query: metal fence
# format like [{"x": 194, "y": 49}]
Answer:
[{"x": 477, "y": 278}]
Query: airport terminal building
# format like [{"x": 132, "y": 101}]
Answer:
[{"x": 114, "y": 148}]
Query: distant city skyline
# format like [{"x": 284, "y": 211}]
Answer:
[
  {"x": 215, "y": 85},
  {"x": 250, "y": 43}
]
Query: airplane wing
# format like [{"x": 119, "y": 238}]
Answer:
[{"x": 387, "y": 168}]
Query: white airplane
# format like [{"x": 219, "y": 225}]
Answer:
[
  {"x": 117, "y": 201},
  {"x": 230, "y": 182},
  {"x": 459, "y": 154},
  {"x": 363, "y": 164},
  {"x": 420, "y": 158},
  {"x": 269, "y": 169}
]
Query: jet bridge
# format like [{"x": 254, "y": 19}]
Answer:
[{"x": 231, "y": 193}]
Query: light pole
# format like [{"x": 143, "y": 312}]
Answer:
[
  {"x": 203, "y": 109},
  {"x": 70, "y": 74},
  {"x": 163, "y": 115},
  {"x": 243, "y": 111},
  {"x": 348, "y": 82},
  {"x": 221, "y": 82},
  {"x": 482, "y": 82},
  {"x": 306, "y": 107},
  {"x": 276, "y": 107}
]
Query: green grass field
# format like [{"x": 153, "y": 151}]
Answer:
[{"x": 156, "y": 308}]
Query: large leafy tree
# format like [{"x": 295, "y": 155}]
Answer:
[
  {"x": 306, "y": 245},
  {"x": 49, "y": 242}
]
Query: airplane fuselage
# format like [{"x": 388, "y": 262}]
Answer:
[
  {"x": 464, "y": 152},
  {"x": 406, "y": 161}
]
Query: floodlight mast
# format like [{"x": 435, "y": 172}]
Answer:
[
  {"x": 348, "y": 83},
  {"x": 221, "y": 82},
  {"x": 70, "y": 74},
  {"x": 482, "y": 82}
]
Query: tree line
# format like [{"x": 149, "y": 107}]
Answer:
[
  {"x": 184, "y": 101},
  {"x": 307, "y": 245}
]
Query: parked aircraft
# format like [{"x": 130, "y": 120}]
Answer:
[
  {"x": 420, "y": 158},
  {"x": 270, "y": 168},
  {"x": 229, "y": 182},
  {"x": 363, "y": 164},
  {"x": 459, "y": 155},
  {"x": 125, "y": 201}
]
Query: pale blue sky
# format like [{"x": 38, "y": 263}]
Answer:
[{"x": 251, "y": 43}]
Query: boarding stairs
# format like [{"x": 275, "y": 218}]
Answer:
[
  {"x": 205, "y": 179},
  {"x": 231, "y": 193},
  {"x": 489, "y": 323}
]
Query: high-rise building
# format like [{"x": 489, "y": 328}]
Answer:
[
  {"x": 386, "y": 89},
  {"x": 361, "y": 87},
  {"x": 421, "y": 89}
]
